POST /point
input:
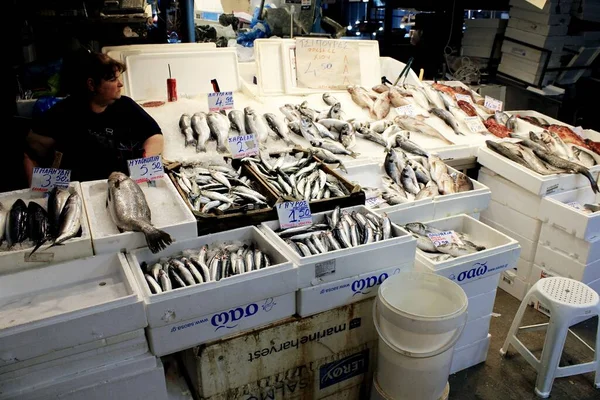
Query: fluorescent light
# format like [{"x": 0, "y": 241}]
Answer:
[
  {"x": 357, "y": 22},
  {"x": 380, "y": 28},
  {"x": 349, "y": 27},
  {"x": 357, "y": 33},
  {"x": 401, "y": 26}
]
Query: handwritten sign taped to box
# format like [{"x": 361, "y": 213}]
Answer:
[{"x": 327, "y": 63}]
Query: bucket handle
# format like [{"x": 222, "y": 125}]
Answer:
[{"x": 434, "y": 353}]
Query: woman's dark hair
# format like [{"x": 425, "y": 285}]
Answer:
[{"x": 83, "y": 65}]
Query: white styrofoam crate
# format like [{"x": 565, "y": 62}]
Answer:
[
  {"x": 501, "y": 251},
  {"x": 481, "y": 305},
  {"x": 476, "y": 51},
  {"x": 527, "y": 179},
  {"x": 553, "y": 43},
  {"x": 474, "y": 331},
  {"x": 511, "y": 284},
  {"x": 514, "y": 70},
  {"x": 524, "y": 269},
  {"x": 564, "y": 265},
  {"x": 541, "y": 18},
  {"x": 529, "y": 54},
  {"x": 179, "y": 336},
  {"x": 582, "y": 251},
  {"x": 528, "y": 247},
  {"x": 478, "y": 287},
  {"x": 507, "y": 193},
  {"x": 64, "y": 305},
  {"x": 530, "y": 67},
  {"x": 334, "y": 294},
  {"x": 470, "y": 355},
  {"x": 72, "y": 249},
  {"x": 513, "y": 220},
  {"x": 140, "y": 377},
  {"x": 168, "y": 212},
  {"x": 21, "y": 378},
  {"x": 345, "y": 263},
  {"x": 555, "y": 210},
  {"x": 550, "y": 7},
  {"x": 537, "y": 28},
  {"x": 473, "y": 201},
  {"x": 181, "y": 304}
]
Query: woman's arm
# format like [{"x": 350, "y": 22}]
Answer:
[{"x": 153, "y": 146}]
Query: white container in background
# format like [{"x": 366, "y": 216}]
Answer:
[
  {"x": 334, "y": 294},
  {"x": 528, "y": 247},
  {"x": 524, "y": 269},
  {"x": 553, "y": 43},
  {"x": 507, "y": 193},
  {"x": 550, "y": 7},
  {"x": 469, "y": 355},
  {"x": 63, "y": 305},
  {"x": 564, "y": 265},
  {"x": 473, "y": 201},
  {"x": 511, "y": 284},
  {"x": 556, "y": 210},
  {"x": 540, "y": 17},
  {"x": 582, "y": 251},
  {"x": 513, "y": 220},
  {"x": 168, "y": 213},
  {"x": 501, "y": 251},
  {"x": 537, "y": 28},
  {"x": 72, "y": 249},
  {"x": 344, "y": 263}
]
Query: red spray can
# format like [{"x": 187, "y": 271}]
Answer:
[{"x": 171, "y": 89}]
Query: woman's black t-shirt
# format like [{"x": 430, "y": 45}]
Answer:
[{"x": 94, "y": 145}]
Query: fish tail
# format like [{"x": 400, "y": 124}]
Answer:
[
  {"x": 343, "y": 167},
  {"x": 593, "y": 183},
  {"x": 354, "y": 155},
  {"x": 156, "y": 239}
]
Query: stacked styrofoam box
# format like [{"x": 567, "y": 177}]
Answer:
[
  {"x": 546, "y": 28},
  {"x": 569, "y": 244},
  {"x": 478, "y": 275},
  {"x": 479, "y": 37},
  {"x": 75, "y": 330},
  {"x": 587, "y": 10}
]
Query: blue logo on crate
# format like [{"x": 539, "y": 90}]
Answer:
[
  {"x": 229, "y": 319},
  {"x": 346, "y": 368},
  {"x": 362, "y": 286},
  {"x": 479, "y": 269}
]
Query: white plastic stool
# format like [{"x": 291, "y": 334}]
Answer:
[{"x": 568, "y": 300}]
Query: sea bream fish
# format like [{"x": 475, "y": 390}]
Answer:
[
  {"x": 236, "y": 118},
  {"x": 256, "y": 124},
  {"x": 185, "y": 125},
  {"x": 219, "y": 128},
  {"x": 130, "y": 212},
  {"x": 202, "y": 131}
]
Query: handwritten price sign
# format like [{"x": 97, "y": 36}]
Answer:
[
  {"x": 146, "y": 169},
  {"x": 443, "y": 238},
  {"x": 294, "y": 213},
  {"x": 493, "y": 104},
  {"x": 243, "y": 146},
  {"x": 475, "y": 124},
  {"x": 45, "y": 179},
  {"x": 406, "y": 110},
  {"x": 220, "y": 101}
]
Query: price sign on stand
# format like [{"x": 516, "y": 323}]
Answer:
[
  {"x": 463, "y": 97},
  {"x": 220, "y": 101},
  {"x": 146, "y": 169},
  {"x": 493, "y": 104},
  {"x": 408, "y": 110},
  {"x": 45, "y": 179},
  {"x": 372, "y": 202},
  {"x": 443, "y": 238},
  {"x": 294, "y": 213},
  {"x": 243, "y": 146},
  {"x": 475, "y": 124}
]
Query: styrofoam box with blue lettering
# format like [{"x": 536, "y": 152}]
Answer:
[
  {"x": 197, "y": 304},
  {"x": 345, "y": 263},
  {"x": 49, "y": 309},
  {"x": 469, "y": 355},
  {"x": 168, "y": 213},
  {"x": 334, "y": 294},
  {"x": 501, "y": 252}
]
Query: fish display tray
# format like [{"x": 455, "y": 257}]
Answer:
[
  {"x": 555, "y": 210},
  {"x": 500, "y": 254},
  {"x": 540, "y": 185},
  {"x": 528, "y": 246},
  {"x": 234, "y": 217},
  {"x": 582, "y": 251},
  {"x": 79, "y": 247},
  {"x": 63, "y": 305},
  {"x": 179, "y": 306},
  {"x": 513, "y": 220},
  {"x": 169, "y": 213},
  {"x": 344, "y": 263}
]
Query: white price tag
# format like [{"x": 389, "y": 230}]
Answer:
[
  {"x": 243, "y": 145},
  {"x": 463, "y": 97},
  {"x": 146, "y": 169},
  {"x": 492, "y": 103},
  {"x": 45, "y": 179},
  {"x": 294, "y": 213},
  {"x": 446, "y": 237},
  {"x": 475, "y": 124},
  {"x": 374, "y": 202},
  {"x": 406, "y": 110},
  {"x": 220, "y": 101},
  {"x": 575, "y": 205}
]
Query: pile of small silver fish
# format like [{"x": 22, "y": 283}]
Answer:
[
  {"x": 58, "y": 222},
  {"x": 410, "y": 179},
  {"x": 208, "y": 264},
  {"x": 212, "y": 188},
  {"x": 297, "y": 177},
  {"x": 547, "y": 154},
  {"x": 443, "y": 252},
  {"x": 341, "y": 230},
  {"x": 200, "y": 127}
]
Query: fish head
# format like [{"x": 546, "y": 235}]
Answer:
[
  {"x": 248, "y": 110},
  {"x": 547, "y": 137},
  {"x": 115, "y": 179}
]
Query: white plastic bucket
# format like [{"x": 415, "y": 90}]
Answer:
[
  {"x": 419, "y": 317},
  {"x": 377, "y": 392}
]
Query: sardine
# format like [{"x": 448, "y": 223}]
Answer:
[
  {"x": 153, "y": 284},
  {"x": 334, "y": 147}
]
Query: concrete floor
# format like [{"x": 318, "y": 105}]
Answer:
[{"x": 512, "y": 377}]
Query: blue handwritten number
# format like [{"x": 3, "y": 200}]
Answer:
[
  {"x": 145, "y": 169},
  {"x": 47, "y": 183},
  {"x": 219, "y": 102},
  {"x": 156, "y": 166},
  {"x": 292, "y": 216},
  {"x": 240, "y": 147}
]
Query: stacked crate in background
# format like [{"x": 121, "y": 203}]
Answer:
[
  {"x": 479, "y": 36},
  {"x": 545, "y": 28}
]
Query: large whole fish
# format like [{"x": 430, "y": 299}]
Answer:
[
  {"x": 416, "y": 125},
  {"x": 256, "y": 124},
  {"x": 56, "y": 202},
  {"x": 185, "y": 125},
  {"x": 130, "y": 212},
  {"x": 3, "y": 217},
  {"x": 219, "y": 128},
  {"x": 279, "y": 127},
  {"x": 200, "y": 127},
  {"x": 37, "y": 224},
  {"x": 16, "y": 224},
  {"x": 561, "y": 163},
  {"x": 70, "y": 219}
]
